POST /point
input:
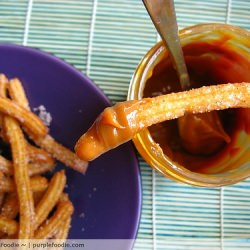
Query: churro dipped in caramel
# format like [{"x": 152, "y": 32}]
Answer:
[{"x": 118, "y": 124}]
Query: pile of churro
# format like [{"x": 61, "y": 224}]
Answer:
[
  {"x": 31, "y": 205},
  {"x": 118, "y": 124}
]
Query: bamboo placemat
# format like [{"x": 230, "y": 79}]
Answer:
[{"x": 106, "y": 39}]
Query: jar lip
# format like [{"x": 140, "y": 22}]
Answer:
[
  {"x": 214, "y": 26},
  {"x": 175, "y": 171}
]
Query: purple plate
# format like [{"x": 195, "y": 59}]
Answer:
[{"x": 107, "y": 198}]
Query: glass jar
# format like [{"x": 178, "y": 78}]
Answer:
[{"x": 232, "y": 163}]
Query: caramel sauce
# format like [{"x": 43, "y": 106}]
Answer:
[
  {"x": 111, "y": 128},
  {"x": 207, "y": 63}
]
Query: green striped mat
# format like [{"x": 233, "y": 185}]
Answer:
[{"x": 106, "y": 39}]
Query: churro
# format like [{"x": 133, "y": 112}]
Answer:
[
  {"x": 48, "y": 143},
  {"x": 10, "y": 207},
  {"x": 8, "y": 225},
  {"x": 34, "y": 167},
  {"x": 50, "y": 226},
  {"x": 50, "y": 198},
  {"x": 19, "y": 154},
  {"x": 118, "y": 124},
  {"x": 37, "y": 183}
]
